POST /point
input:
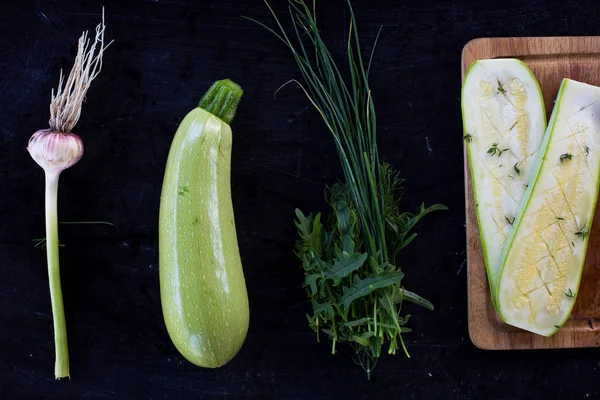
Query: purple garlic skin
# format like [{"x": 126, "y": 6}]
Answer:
[{"x": 55, "y": 151}]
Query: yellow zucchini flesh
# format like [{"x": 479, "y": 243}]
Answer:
[
  {"x": 544, "y": 256},
  {"x": 504, "y": 122},
  {"x": 202, "y": 286}
]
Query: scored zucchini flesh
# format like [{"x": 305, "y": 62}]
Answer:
[
  {"x": 544, "y": 256},
  {"x": 504, "y": 123}
]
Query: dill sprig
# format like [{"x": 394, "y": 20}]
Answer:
[
  {"x": 582, "y": 233},
  {"x": 350, "y": 274}
]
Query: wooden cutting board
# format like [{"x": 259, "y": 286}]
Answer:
[{"x": 551, "y": 59}]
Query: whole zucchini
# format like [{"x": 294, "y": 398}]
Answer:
[{"x": 202, "y": 286}]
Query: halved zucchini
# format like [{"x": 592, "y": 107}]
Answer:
[
  {"x": 544, "y": 255},
  {"x": 504, "y": 122}
]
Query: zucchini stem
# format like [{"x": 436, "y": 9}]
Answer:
[
  {"x": 222, "y": 99},
  {"x": 61, "y": 366}
]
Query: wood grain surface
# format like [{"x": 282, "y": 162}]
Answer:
[{"x": 551, "y": 59}]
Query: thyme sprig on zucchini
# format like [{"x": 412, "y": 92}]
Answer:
[
  {"x": 351, "y": 276},
  {"x": 493, "y": 150}
]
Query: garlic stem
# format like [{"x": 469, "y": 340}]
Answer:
[{"x": 61, "y": 366}]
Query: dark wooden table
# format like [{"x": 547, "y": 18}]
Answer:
[{"x": 165, "y": 55}]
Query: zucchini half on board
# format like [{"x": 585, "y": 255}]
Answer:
[
  {"x": 545, "y": 253},
  {"x": 504, "y": 121}
]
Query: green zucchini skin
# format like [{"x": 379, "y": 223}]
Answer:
[{"x": 202, "y": 286}]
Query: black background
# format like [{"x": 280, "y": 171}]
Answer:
[{"x": 165, "y": 55}]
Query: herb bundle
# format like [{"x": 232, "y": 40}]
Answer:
[{"x": 351, "y": 275}]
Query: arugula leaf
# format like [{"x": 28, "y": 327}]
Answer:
[
  {"x": 311, "y": 281},
  {"x": 415, "y": 298},
  {"x": 345, "y": 267},
  {"x": 364, "y": 287},
  {"x": 323, "y": 310}
]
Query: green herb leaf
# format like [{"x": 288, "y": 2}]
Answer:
[
  {"x": 323, "y": 310},
  {"x": 501, "y": 89},
  {"x": 310, "y": 281},
  {"x": 364, "y": 287},
  {"x": 415, "y": 298},
  {"x": 363, "y": 338},
  {"x": 358, "y": 322},
  {"x": 494, "y": 150},
  {"x": 566, "y": 156},
  {"x": 345, "y": 267},
  {"x": 582, "y": 233},
  {"x": 517, "y": 170}
]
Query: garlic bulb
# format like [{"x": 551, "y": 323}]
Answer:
[{"x": 55, "y": 151}]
